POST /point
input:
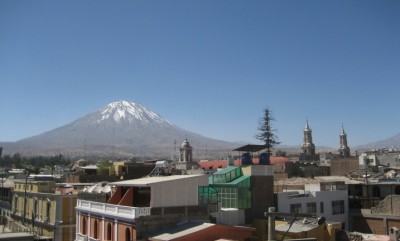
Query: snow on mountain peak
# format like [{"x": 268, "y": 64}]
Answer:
[{"x": 125, "y": 110}]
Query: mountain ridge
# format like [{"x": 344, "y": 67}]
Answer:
[
  {"x": 125, "y": 127},
  {"x": 393, "y": 141}
]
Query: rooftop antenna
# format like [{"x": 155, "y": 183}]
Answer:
[
  {"x": 84, "y": 150},
  {"x": 206, "y": 152},
  {"x": 174, "y": 150},
  {"x": 174, "y": 145},
  {"x": 113, "y": 152}
]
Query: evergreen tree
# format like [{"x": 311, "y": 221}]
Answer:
[
  {"x": 103, "y": 169},
  {"x": 267, "y": 133}
]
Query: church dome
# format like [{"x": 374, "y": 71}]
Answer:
[{"x": 185, "y": 143}]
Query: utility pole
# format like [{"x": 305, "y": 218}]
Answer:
[
  {"x": 271, "y": 223},
  {"x": 26, "y": 184}
]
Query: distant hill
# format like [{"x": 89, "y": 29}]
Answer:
[
  {"x": 393, "y": 141},
  {"x": 125, "y": 129},
  {"x": 120, "y": 129}
]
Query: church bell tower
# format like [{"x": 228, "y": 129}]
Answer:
[
  {"x": 344, "y": 150},
  {"x": 185, "y": 152},
  {"x": 308, "y": 145}
]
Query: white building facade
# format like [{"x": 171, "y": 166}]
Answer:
[
  {"x": 325, "y": 199},
  {"x": 118, "y": 218}
]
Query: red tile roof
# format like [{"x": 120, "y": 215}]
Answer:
[
  {"x": 215, "y": 164},
  {"x": 273, "y": 160}
]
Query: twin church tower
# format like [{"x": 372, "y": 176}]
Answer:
[{"x": 309, "y": 147}]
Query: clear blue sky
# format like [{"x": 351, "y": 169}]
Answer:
[{"x": 210, "y": 67}]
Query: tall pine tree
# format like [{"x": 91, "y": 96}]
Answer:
[{"x": 267, "y": 133}]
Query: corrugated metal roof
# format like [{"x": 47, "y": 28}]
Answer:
[{"x": 145, "y": 181}]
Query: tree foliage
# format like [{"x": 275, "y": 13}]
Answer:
[
  {"x": 267, "y": 132},
  {"x": 32, "y": 163},
  {"x": 280, "y": 153},
  {"x": 103, "y": 168}
]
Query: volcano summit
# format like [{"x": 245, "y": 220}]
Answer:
[{"x": 120, "y": 128}]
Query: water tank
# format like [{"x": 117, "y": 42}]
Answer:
[
  {"x": 264, "y": 159},
  {"x": 246, "y": 159},
  {"x": 231, "y": 161}
]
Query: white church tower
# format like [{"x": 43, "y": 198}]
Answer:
[{"x": 185, "y": 152}]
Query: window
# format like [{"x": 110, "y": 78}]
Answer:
[
  {"x": 321, "y": 207},
  {"x": 397, "y": 190},
  {"x": 48, "y": 211},
  {"x": 376, "y": 192},
  {"x": 95, "y": 229},
  {"x": 127, "y": 234},
  {"x": 338, "y": 207},
  {"x": 35, "y": 208},
  {"x": 84, "y": 226},
  {"x": 109, "y": 231},
  {"x": 15, "y": 204},
  {"x": 311, "y": 207},
  {"x": 295, "y": 208}
]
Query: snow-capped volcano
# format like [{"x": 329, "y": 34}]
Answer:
[
  {"x": 129, "y": 111},
  {"x": 124, "y": 127}
]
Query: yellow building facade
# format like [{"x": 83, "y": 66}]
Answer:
[{"x": 45, "y": 208}]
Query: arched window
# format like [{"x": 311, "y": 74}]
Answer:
[
  {"x": 84, "y": 226},
  {"x": 35, "y": 207},
  {"x": 109, "y": 231},
  {"x": 48, "y": 209},
  {"x": 95, "y": 229},
  {"x": 15, "y": 203},
  {"x": 127, "y": 234}
]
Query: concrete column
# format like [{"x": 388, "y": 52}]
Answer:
[
  {"x": 78, "y": 223},
  {"x": 103, "y": 227},
  {"x": 385, "y": 225},
  {"x": 89, "y": 225},
  {"x": 271, "y": 224},
  {"x": 115, "y": 229}
]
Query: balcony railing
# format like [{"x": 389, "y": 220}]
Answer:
[{"x": 112, "y": 210}]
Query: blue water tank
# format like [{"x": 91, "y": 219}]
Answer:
[
  {"x": 264, "y": 159},
  {"x": 246, "y": 159}
]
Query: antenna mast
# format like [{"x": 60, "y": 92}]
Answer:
[
  {"x": 113, "y": 152},
  {"x": 84, "y": 150}
]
